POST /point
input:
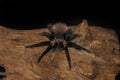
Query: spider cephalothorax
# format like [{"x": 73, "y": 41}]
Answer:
[{"x": 60, "y": 37}]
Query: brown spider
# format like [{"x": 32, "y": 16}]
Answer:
[{"x": 60, "y": 37}]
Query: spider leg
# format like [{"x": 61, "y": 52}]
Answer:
[
  {"x": 45, "y": 52},
  {"x": 71, "y": 44},
  {"x": 48, "y": 35},
  {"x": 45, "y": 43},
  {"x": 68, "y": 57},
  {"x": 68, "y": 32},
  {"x": 73, "y": 36}
]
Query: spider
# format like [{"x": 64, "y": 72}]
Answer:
[{"x": 60, "y": 37}]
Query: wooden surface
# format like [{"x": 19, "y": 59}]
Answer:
[{"x": 20, "y": 63}]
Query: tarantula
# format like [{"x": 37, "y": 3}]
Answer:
[{"x": 60, "y": 37}]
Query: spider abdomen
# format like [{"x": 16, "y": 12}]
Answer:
[{"x": 59, "y": 29}]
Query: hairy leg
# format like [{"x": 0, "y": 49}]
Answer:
[
  {"x": 45, "y": 52},
  {"x": 71, "y": 44},
  {"x": 68, "y": 32},
  {"x": 73, "y": 36},
  {"x": 45, "y": 43},
  {"x": 68, "y": 57},
  {"x": 48, "y": 35}
]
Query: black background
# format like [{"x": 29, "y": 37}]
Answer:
[{"x": 21, "y": 14}]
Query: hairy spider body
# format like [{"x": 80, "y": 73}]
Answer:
[{"x": 60, "y": 37}]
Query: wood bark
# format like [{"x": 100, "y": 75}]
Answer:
[{"x": 20, "y": 63}]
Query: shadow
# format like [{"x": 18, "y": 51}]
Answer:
[
  {"x": 2, "y": 72},
  {"x": 118, "y": 76}
]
